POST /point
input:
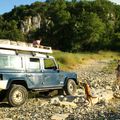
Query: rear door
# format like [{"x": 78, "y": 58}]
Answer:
[{"x": 34, "y": 73}]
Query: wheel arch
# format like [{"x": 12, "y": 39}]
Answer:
[
  {"x": 67, "y": 78},
  {"x": 17, "y": 82}
]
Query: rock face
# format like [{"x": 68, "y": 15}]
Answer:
[{"x": 31, "y": 22}]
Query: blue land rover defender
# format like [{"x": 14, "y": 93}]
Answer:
[{"x": 24, "y": 70}]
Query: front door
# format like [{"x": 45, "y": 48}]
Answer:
[{"x": 50, "y": 74}]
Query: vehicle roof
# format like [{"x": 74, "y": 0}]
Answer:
[{"x": 12, "y": 52}]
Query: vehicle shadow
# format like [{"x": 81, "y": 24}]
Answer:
[
  {"x": 4, "y": 105},
  {"x": 44, "y": 96}
]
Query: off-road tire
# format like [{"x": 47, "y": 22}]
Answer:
[
  {"x": 17, "y": 95},
  {"x": 70, "y": 87}
]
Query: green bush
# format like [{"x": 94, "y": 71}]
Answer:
[{"x": 68, "y": 61}]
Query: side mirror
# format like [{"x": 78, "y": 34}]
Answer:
[
  {"x": 58, "y": 68},
  {"x": 55, "y": 68}
]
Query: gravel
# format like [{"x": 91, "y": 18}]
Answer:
[{"x": 69, "y": 107}]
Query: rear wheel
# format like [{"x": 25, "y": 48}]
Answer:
[
  {"x": 17, "y": 95},
  {"x": 70, "y": 88}
]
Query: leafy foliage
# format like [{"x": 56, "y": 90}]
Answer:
[{"x": 72, "y": 26}]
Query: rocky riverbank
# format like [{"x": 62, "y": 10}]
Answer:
[{"x": 68, "y": 107}]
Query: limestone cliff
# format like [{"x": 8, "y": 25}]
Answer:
[{"x": 30, "y": 23}]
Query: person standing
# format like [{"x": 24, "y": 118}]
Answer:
[
  {"x": 118, "y": 74},
  {"x": 117, "y": 82}
]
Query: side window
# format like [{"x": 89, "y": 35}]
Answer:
[
  {"x": 12, "y": 62},
  {"x": 34, "y": 64},
  {"x": 49, "y": 64},
  {"x": 15, "y": 62},
  {"x": 3, "y": 61}
]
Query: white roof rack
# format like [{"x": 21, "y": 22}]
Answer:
[{"x": 44, "y": 49}]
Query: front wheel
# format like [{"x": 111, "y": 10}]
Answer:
[
  {"x": 17, "y": 95},
  {"x": 70, "y": 88}
]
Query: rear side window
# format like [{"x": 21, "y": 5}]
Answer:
[
  {"x": 34, "y": 64},
  {"x": 12, "y": 62}
]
